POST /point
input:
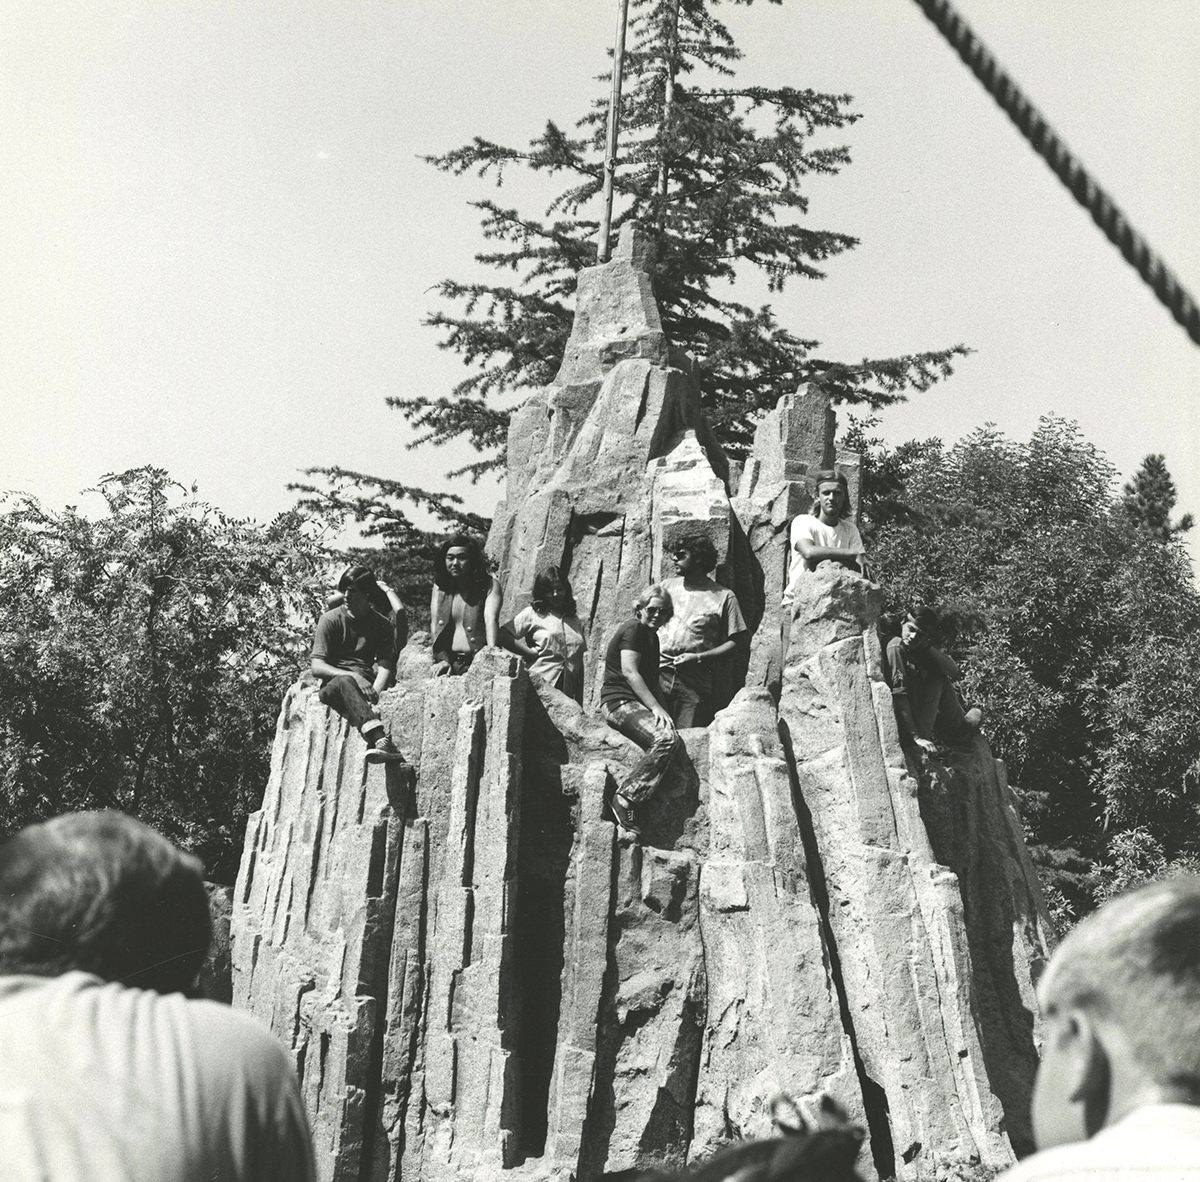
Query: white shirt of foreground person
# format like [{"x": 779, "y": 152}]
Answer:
[
  {"x": 103, "y": 1083},
  {"x": 805, "y": 527},
  {"x": 1157, "y": 1143}
]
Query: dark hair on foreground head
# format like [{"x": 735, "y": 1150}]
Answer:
[
  {"x": 1134, "y": 965},
  {"x": 104, "y": 894},
  {"x": 552, "y": 582},
  {"x": 700, "y": 547},
  {"x": 825, "y": 476},
  {"x": 477, "y": 578}
]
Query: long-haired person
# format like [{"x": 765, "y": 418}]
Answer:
[{"x": 464, "y": 609}]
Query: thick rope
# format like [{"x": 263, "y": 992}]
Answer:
[{"x": 1070, "y": 171}]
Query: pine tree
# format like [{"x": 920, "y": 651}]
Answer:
[
  {"x": 715, "y": 170},
  {"x": 1149, "y": 499}
]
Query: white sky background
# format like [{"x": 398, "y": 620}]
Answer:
[{"x": 218, "y": 241}]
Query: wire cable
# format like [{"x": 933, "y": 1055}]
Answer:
[{"x": 1043, "y": 139}]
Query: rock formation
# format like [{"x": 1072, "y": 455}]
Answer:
[{"x": 480, "y": 978}]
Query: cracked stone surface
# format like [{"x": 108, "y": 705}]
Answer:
[{"x": 479, "y": 977}]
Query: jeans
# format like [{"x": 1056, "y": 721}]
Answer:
[
  {"x": 658, "y": 743},
  {"x": 681, "y": 700},
  {"x": 343, "y": 695}
]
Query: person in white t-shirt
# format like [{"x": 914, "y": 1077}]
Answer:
[
  {"x": 826, "y": 534},
  {"x": 108, "y": 1073},
  {"x": 1117, "y": 1095}
]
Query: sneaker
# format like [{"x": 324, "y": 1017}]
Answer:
[
  {"x": 622, "y": 813},
  {"x": 383, "y": 750}
]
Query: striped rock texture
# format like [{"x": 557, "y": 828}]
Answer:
[{"x": 480, "y": 978}]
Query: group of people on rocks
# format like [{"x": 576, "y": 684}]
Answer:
[
  {"x": 665, "y": 669},
  {"x": 111, "y": 1070}
]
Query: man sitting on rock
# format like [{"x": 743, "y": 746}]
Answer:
[
  {"x": 353, "y": 654},
  {"x": 826, "y": 534},
  {"x": 1118, "y": 1088},
  {"x": 922, "y": 679},
  {"x": 698, "y": 641},
  {"x": 108, "y": 1073}
]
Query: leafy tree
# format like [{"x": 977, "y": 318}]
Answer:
[
  {"x": 143, "y": 654},
  {"x": 1148, "y": 500},
  {"x": 1079, "y": 632},
  {"x": 715, "y": 169},
  {"x": 405, "y": 558}
]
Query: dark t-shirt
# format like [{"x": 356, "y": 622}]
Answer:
[
  {"x": 353, "y": 644},
  {"x": 635, "y": 635}
]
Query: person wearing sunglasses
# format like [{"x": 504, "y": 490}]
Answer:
[{"x": 631, "y": 703}]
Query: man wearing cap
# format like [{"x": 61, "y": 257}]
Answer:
[
  {"x": 353, "y": 655},
  {"x": 922, "y": 679}
]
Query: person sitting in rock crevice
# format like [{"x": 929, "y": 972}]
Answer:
[
  {"x": 825, "y": 534},
  {"x": 549, "y": 636},
  {"x": 353, "y": 656},
  {"x": 631, "y": 703},
  {"x": 922, "y": 680},
  {"x": 698, "y": 641},
  {"x": 464, "y": 608}
]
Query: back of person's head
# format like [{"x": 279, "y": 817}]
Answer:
[
  {"x": 551, "y": 583},
  {"x": 104, "y": 894},
  {"x": 477, "y": 576},
  {"x": 829, "y": 476},
  {"x": 700, "y": 546},
  {"x": 1121, "y": 1000}
]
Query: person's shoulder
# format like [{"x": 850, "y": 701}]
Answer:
[
  {"x": 333, "y": 617},
  {"x": 1093, "y": 1159},
  {"x": 894, "y": 647},
  {"x": 632, "y": 630},
  {"x": 236, "y": 1043}
]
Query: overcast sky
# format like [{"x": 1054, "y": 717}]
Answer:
[{"x": 218, "y": 240}]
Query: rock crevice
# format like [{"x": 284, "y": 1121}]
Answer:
[{"x": 479, "y": 977}]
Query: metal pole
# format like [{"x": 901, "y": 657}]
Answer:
[{"x": 614, "y": 120}]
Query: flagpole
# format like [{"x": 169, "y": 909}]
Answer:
[{"x": 614, "y": 120}]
